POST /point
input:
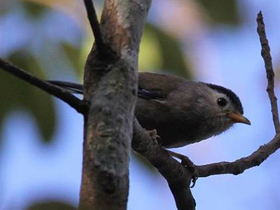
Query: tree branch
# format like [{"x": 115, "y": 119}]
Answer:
[
  {"x": 264, "y": 151},
  {"x": 240, "y": 165},
  {"x": 95, "y": 27},
  {"x": 176, "y": 173},
  {"x": 269, "y": 71},
  {"x": 177, "y": 176},
  {"x": 127, "y": 18},
  {"x": 60, "y": 93},
  {"x": 109, "y": 120},
  {"x": 110, "y": 85}
]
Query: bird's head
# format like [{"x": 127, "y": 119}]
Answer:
[{"x": 227, "y": 107}]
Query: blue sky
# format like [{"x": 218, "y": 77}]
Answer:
[{"x": 30, "y": 171}]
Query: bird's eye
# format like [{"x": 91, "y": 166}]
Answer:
[{"x": 222, "y": 102}]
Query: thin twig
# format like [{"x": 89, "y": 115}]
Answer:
[
  {"x": 264, "y": 151},
  {"x": 60, "y": 93},
  {"x": 242, "y": 164},
  {"x": 269, "y": 71},
  {"x": 95, "y": 27}
]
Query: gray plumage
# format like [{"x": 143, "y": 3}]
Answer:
[{"x": 181, "y": 111}]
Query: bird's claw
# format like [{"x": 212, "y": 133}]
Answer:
[
  {"x": 186, "y": 162},
  {"x": 154, "y": 136}
]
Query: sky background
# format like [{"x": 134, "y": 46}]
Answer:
[{"x": 224, "y": 55}]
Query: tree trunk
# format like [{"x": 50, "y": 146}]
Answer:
[{"x": 110, "y": 85}]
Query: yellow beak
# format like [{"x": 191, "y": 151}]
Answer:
[{"x": 238, "y": 118}]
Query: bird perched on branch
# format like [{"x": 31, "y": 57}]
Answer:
[{"x": 182, "y": 111}]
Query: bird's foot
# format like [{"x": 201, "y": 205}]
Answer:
[
  {"x": 154, "y": 136},
  {"x": 192, "y": 167},
  {"x": 186, "y": 162}
]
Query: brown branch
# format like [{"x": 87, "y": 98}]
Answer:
[
  {"x": 127, "y": 18},
  {"x": 240, "y": 165},
  {"x": 95, "y": 27},
  {"x": 256, "y": 158},
  {"x": 60, "y": 93},
  {"x": 110, "y": 85},
  {"x": 269, "y": 71},
  {"x": 177, "y": 176}
]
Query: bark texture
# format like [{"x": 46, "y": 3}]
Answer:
[
  {"x": 108, "y": 108},
  {"x": 110, "y": 88}
]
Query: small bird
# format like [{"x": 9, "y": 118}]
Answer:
[{"x": 181, "y": 111}]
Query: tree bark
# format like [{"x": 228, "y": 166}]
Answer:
[{"x": 110, "y": 85}]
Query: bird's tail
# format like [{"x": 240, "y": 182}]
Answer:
[
  {"x": 72, "y": 87},
  {"x": 79, "y": 89}
]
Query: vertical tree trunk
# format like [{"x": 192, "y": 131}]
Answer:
[{"x": 111, "y": 89}]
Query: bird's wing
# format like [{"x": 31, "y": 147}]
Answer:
[
  {"x": 77, "y": 88},
  {"x": 151, "y": 86},
  {"x": 150, "y": 94},
  {"x": 157, "y": 86}
]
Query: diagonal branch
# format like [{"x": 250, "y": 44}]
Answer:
[
  {"x": 95, "y": 27},
  {"x": 177, "y": 176},
  {"x": 60, "y": 93},
  {"x": 264, "y": 151}
]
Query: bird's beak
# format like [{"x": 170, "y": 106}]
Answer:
[{"x": 238, "y": 118}]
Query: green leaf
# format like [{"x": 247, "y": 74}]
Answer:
[
  {"x": 170, "y": 52},
  {"x": 149, "y": 55},
  {"x": 33, "y": 9},
  {"x": 222, "y": 12},
  {"x": 19, "y": 95},
  {"x": 73, "y": 55}
]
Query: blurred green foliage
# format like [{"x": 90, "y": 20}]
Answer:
[
  {"x": 169, "y": 56},
  {"x": 159, "y": 52},
  {"x": 33, "y": 9},
  {"x": 222, "y": 12},
  {"x": 166, "y": 52},
  {"x": 19, "y": 95},
  {"x": 73, "y": 55}
]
